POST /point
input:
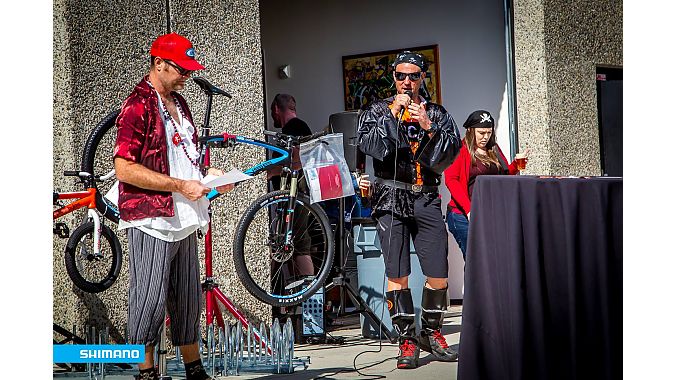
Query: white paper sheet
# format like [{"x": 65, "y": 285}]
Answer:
[
  {"x": 234, "y": 175},
  {"x": 113, "y": 193}
]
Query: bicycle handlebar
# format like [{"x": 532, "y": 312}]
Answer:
[
  {"x": 86, "y": 176},
  {"x": 295, "y": 139},
  {"x": 314, "y": 136},
  {"x": 106, "y": 177}
]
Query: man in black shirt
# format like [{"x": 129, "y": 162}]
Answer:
[{"x": 283, "y": 110}]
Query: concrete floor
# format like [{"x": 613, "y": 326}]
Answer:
[{"x": 335, "y": 361}]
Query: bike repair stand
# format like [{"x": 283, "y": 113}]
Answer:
[
  {"x": 344, "y": 283},
  {"x": 213, "y": 294},
  {"x": 209, "y": 286}
]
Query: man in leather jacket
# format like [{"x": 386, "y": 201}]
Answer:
[{"x": 411, "y": 141}]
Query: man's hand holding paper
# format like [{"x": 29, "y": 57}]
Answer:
[{"x": 223, "y": 182}]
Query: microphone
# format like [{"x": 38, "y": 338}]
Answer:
[{"x": 401, "y": 113}]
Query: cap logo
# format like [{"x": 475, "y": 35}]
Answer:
[
  {"x": 190, "y": 53},
  {"x": 485, "y": 118}
]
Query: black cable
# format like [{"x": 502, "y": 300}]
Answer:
[
  {"x": 389, "y": 243},
  {"x": 352, "y": 370}
]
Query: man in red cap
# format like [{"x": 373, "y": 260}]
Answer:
[{"x": 162, "y": 204}]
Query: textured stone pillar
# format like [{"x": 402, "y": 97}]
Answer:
[
  {"x": 227, "y": 39},
  {"x": 558, "y": 45},
  {"x": 101, "y": 50}
]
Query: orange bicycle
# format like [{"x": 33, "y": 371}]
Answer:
[{"x": 92, "y": 263}]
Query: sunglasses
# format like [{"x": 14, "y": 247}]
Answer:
[
  {"x": 412, "y": 76},
  {"x": 178, "y": 68}
]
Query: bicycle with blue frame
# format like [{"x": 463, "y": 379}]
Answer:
[{"x": 280, "y": 230}]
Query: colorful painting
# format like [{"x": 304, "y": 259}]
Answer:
[{"x": 368, "y": 77}]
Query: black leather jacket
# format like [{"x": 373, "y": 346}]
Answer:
[{"x": 378, "y": 137}]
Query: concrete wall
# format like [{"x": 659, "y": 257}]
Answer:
[
  {"x": 101, "y": 50},
  {"x": 558, "y": 45}
]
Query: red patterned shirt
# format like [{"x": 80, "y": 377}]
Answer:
[{"x": 141, "y": 138}]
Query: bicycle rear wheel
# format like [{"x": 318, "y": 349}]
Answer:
[
  {"x": 89, "y": 272},
  {"x": 97, "y": 159},
  {"x": 296, "y": 274}
]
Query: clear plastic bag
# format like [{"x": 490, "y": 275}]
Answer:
[{"x": 325, "y": 168}]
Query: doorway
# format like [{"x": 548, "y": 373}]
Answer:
[{"x": 609, "y": 105}]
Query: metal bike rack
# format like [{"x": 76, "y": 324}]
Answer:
[
  {"x": 229, "y": 351},
  {"x": 236, "y": 351},
  {"x": 93, "y": 371}
]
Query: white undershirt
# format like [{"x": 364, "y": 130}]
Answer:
[{"x": 188, "y": 215}]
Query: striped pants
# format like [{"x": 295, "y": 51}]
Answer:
[{"x": 163, "y": 276}]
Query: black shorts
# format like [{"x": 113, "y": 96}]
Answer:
[{"x": 430, "y": 239}]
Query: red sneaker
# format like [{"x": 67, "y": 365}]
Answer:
[
  {"x": 409, "y": 352},
  {"x": 436, "y": 344}
]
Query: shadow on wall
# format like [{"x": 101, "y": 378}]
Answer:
[{"x": 97, "y": 316}]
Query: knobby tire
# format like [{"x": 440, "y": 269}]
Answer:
[
  {"x": 105, "y": 207},
  {"x": 319, "y": 221},
  {"x": 114, "y": 255}
]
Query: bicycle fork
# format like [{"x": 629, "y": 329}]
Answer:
[
  {"x": 289, "y": 213},
  {"x": 91, "y": 214}
]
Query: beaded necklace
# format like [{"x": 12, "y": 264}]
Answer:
[{"x": 176, "y": 139}]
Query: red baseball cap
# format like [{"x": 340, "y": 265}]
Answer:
[{"x": 176, "y": 48}]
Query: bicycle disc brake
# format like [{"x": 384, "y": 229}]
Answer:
[{"x": 280, "y": 252}]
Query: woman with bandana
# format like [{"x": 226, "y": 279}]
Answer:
[
  {"x": 411, "y": 141},
  {"x": 480, "y": 155}
]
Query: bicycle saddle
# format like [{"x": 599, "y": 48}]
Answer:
[{"x": 209, "y": 88}]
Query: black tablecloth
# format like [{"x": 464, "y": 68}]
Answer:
[{"x": 543, "y": 280}]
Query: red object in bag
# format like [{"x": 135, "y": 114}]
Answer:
[{"x": 329, "y": 182}]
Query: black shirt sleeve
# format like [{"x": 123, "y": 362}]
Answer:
[{"x": 296, "y": 127}]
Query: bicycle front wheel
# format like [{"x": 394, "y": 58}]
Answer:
[
  {"x": 296, "y": 271},
  {"x": 91, "y": 272}
]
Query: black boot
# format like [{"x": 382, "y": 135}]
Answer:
[
  {"x": 431, "y": 339},
  {"x": 400, "y": 305}
]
